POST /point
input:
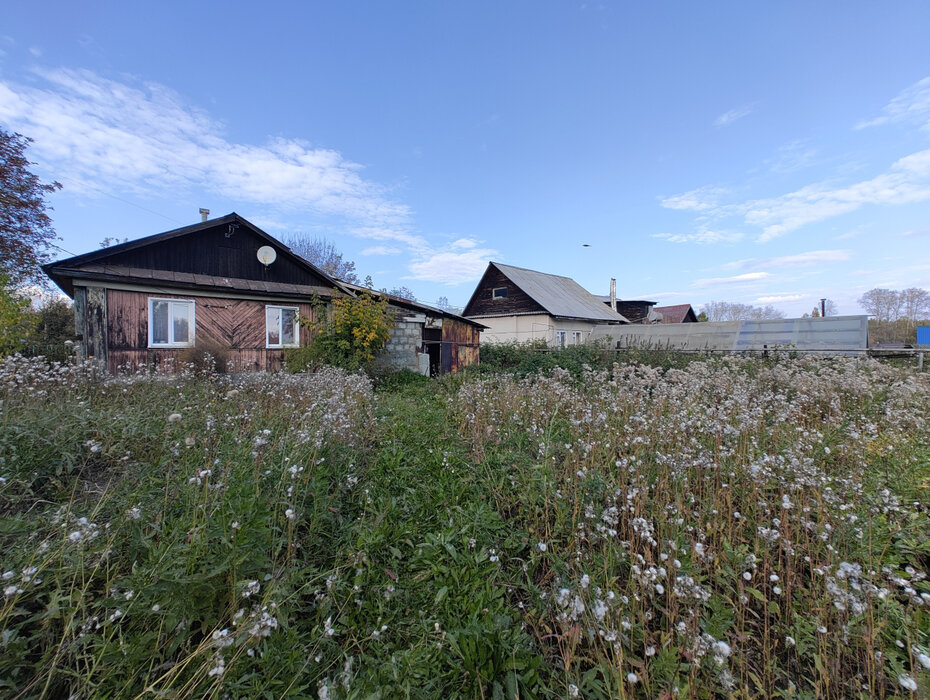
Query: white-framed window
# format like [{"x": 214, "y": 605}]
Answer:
[
  {"x": 577, "y": 337},
  {"x": 171, "y": 323},
  {"x": 560, "y": 339},
  {"x": 281, "y": 327},
  {"x": 499, "y": 293}
]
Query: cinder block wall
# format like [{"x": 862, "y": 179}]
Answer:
[{"x": 400, "y": 352}]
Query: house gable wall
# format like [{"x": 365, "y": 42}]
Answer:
[
  {"x": 516, "y": 301},
  {"x": 211, "y": 252},
  {"x": 532, "y": 327}
]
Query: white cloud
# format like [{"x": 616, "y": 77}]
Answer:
[
  {"x": 143, "y": 138},
  {"x": 912, "y": 105},
  {"x": 808, "y": 259},
  {"x": 701, "y": 199},
  {"x": 381, "y": 250},
  {"x": 733, "y": 115},
  {"x": 704, "y": 237},
  {"x": 736, "y": 279},
  {"x": 776, "y": 298},
  {"x": 453, "y": 265},
  {"x": 464, "y": 243},
  {"x": 792, "y": 157},
  {"x": 906, "y": 181}
]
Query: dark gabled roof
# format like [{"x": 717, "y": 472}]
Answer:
[
  {"x": 560, "y": 296},
  {"x": 413, "y": 305},
  {"x": 677, "y": 313},
  {"x": 95, "y": 265}
]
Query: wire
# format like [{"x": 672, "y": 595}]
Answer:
[{"x": 120, "y": 199}]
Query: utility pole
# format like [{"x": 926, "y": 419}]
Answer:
[{"x": 823, "y": 308}]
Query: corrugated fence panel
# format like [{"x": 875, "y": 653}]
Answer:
[{"x": 833, "y": 334}]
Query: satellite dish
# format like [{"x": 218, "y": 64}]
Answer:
[{"x": 266, "y": 255}]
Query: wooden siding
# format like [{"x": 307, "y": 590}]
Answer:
[
  {"x": 634, "y": 311},
  {"x": 95, "y": 324},
  {"x": 461, "y": 341},
  {"x": 210, "y": 252},
  {"x": 234, "y": 326},
  {"x": 516, "y": 301}
]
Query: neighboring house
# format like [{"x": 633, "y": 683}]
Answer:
[
  {"x": 679, "y": 313},
  {"x": 517, "y": 304},
  {"x": 634, "y": 310},
  {"x": 223, "y": 286}
]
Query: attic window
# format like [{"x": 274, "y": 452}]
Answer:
[{"x": 499, "y": 293}]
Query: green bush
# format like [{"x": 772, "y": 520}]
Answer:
[
  {"x": 347, "y": 332},
  {"x": 17, "y": 321}
]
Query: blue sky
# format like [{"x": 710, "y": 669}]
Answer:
[{"x": 749, "y": 152}]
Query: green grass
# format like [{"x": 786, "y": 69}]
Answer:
[{"x": 676, "y": 528}]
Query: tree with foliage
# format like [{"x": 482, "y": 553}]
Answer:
[
  {"x": 895, "y": 314},
  {"x": 402, "y": 292},
  {"x": 733, "y": 311},
  {"x": 55, "y": 322},
  {"x": 882, "y": 304},
  {"x": 26, "y": 233},
  {"x": 443, "y": 303},
  {"x": 349, "y": 333},
  {"x": 703, "y": 317},
  {"x": 325, "y": 255},
  {"x": 17, "y": 320},
  {"x": 915, "y": 304},
  {"x": 111, "y": 240}
]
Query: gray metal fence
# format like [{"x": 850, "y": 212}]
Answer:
[{"x": 833, "y": 335}]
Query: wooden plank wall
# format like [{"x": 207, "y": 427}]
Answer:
[
  {"x": 232, "y": 255},
  {"x": 462, "y": 340},
  {"x": 95, "y": 324},
  {"x": 235, "y": 327},
  {"x": 516, "y": 301}
]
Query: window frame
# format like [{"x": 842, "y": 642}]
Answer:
[
  {"x": 282, "y": 345},
  {"x": 192, "y": 325},
  {"x": 577, "y": 337},
  {"x": 561, "y": 337},
  {"x": 495, "y": 295}
]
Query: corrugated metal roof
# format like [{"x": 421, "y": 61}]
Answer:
[
  {"x": 673, "y": 314},
  {"x": 560, "y": 296},
  {"x": 410, "y": 303}
]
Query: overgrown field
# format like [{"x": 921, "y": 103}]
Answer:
[{"x": 729, "y": 527}]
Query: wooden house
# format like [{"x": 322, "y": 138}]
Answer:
[
  {"x": 226, "y": 287},
  {"x": 634, "y": 310},
  {"x": 517, "y": 304},
  {"x": 679, "y": 313}
]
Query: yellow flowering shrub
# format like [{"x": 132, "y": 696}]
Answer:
[{"x": 348, "y": 332}]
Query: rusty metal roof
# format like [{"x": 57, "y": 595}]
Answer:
[
  {"x": 560, "y": 296},
  {"x": 675, "y": 313}
]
